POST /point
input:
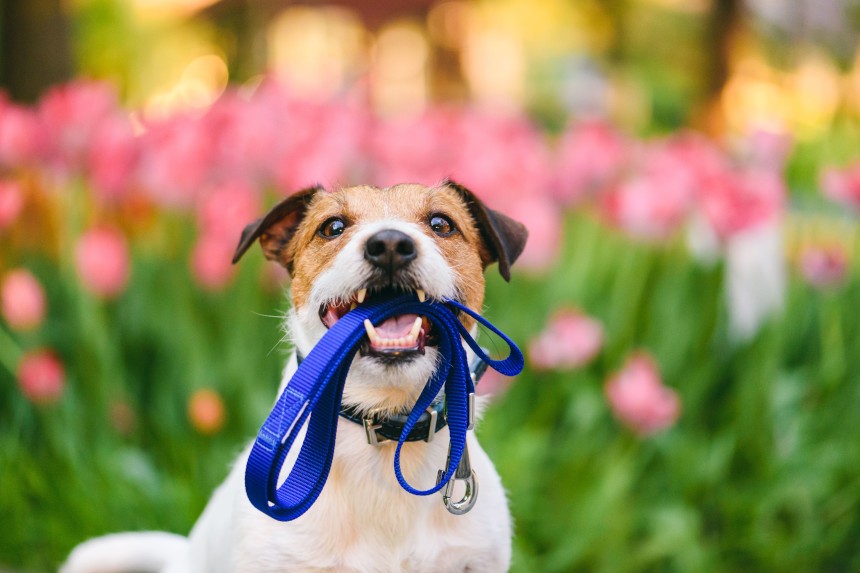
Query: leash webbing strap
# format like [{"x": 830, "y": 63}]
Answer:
[{"x": 316, "y": 389}]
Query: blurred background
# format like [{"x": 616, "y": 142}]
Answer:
[{"x": 690, "y": 174}]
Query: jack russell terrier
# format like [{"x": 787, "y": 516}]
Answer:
[{"x": 342, "y": 248}]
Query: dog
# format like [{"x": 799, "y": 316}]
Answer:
[{"x": 342, "y": 248}]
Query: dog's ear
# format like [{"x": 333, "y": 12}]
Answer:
[
  {"x": 505, "y": 238},
  {"x": 277, "y": 227}
]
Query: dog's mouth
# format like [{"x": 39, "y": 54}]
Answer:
[{"x": 399, "y": 337}]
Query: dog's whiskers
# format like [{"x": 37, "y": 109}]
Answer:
[
  {"x": 279, "y": 317},
  {"x": 284, "y": 339}
]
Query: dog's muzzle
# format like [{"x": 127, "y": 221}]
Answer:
[{"x": 390, "y": 253}]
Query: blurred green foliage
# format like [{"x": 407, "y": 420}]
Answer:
[{"x": 758, "y": 475}]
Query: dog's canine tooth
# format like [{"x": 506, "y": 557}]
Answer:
[
  {"x": 421, "y": 296},
  {"x": 353, "y": 305},
  {"x": 371, "y": 332},
  {"x": 416, "y": 328},
  {"x": 360, "y": 295}
]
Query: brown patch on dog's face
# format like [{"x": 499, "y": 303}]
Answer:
[
  {"x": 347, "y": 247},
  {"x": 312, "y": 254},
  {"x": 464, "y": 250}
]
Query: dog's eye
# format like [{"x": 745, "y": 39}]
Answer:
[
  {"x": 332, "y": 228},
  {"x": 442, "y": 225}
]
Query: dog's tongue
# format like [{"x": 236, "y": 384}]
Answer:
[{"x": 396, "y": 326}]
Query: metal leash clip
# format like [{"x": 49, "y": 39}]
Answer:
[{"x": 466, "y": 474}]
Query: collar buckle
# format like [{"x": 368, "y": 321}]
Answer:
[{"x": 372, "y": 426}]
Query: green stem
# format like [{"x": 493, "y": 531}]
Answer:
[
  {"x": 832, "y": 345},
  {"x": 10, "y": 352}
]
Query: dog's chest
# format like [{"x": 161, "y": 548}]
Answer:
[{"x": 365, "y": 522}]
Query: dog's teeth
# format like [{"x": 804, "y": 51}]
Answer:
[
  {"x": 371, "y": 332},
  {"x": 359, "y": 296},
  {"x": 352, "y": 306},
  {"x": 421, "y": 296},
  {"x": 416, "y": 328}
]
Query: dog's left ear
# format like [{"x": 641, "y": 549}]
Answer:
[
  {"x": 276, "y": 228},
  {"x": 505, "y": 238}
]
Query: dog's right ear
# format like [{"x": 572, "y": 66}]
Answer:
[
  {"x": 504, "y": 237},
  {"x": 276, "y": 228}
]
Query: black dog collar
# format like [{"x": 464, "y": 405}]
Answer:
[{"x": 383, "y": 428}]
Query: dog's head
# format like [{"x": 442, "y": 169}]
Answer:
[{"x": 344, "y": 247}]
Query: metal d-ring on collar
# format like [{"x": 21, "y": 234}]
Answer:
[{"x": 388, "y": 428}]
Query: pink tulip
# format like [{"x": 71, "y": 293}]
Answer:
[
  {"x": 71, "y": 114},
  {"x": 206, "y": 411},
  {"x": 767, "y": 149},
  {"x": 639, "y": 399},
  {"x": 590, "y": 155},
  {"x": 654, "y": 200},
  {"x": 737, "y": 201},
  {"x": 226, "y": 209},
  {"x": 22, "y": 300},
  {"x": 413, "y": 148},
  {"x": 824, "y": 266},
  {"x": 211, "y": 261},
  {"x": 648, "y": 206},
  {"x": 570, "y": 340},
  {"x": 11, "y": 202},
  {"x": 842, "y": 185},
  {"x": 176, "y": 161},
  {"x": 41, "y": 377},
  {"x": 102, "y": 260},
  {"x": 112, "y": 157},
  {"x": 21, "y": 136},
  {"x": 245, "y": 136},
  {"x": 544, "y": 222},
  {"x": 324, "y": 141},
  {"x": 689, "y": 156},
  {"x": 502, "y": 158},
  {"x": 279, "y": 138}
]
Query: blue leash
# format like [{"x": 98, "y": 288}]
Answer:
[{"x": 317, "y": 388}]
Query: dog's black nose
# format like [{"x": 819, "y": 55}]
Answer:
[{"x": 390, "y": 250}]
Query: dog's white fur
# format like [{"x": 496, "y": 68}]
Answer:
[{"x": 363, "y": 521}]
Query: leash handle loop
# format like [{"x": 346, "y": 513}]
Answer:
[{"x": 313, "y": 395}]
